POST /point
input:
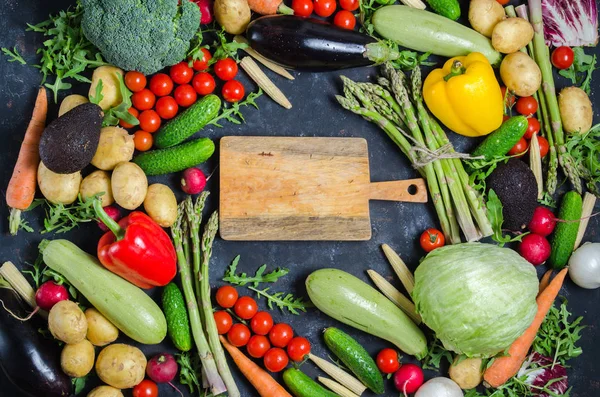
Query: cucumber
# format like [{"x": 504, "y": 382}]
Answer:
[
  {"x": 355, "y": 358},
  {"x": 177, "y": 158},
  {"x": 428, "y": 32},
  {"x": 302, "y": 386},
  {"x": 178, "y": 322},
  {"x": 565, "y": 233},
  {"x": 499, "y": 142},
  {"x": 351, "y": 301},
  {"x": 190, "y": 121},
  {"x": 447, "y": 8}
]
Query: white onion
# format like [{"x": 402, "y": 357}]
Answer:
[
  {"x": 439, "y": 387},
  {"x": 584, "y": 266}
]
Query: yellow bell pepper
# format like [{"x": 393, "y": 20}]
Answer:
[{"x": 465, "y": 95}]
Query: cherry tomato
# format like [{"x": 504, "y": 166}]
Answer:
[
  {"x": 302, "y": 8},
  {"x": 149, "y": 121},
  {"x": 135, "y": 81},
  {"x": 167, "y": 107},
  {"x": 432, "y": 239},
  {"x": 519, "y": 148},
  {"x": 527, "y": 105},
  {"x": 261, "y": 323},
  {"x": 143, "y": 140},
  {"x": 503, "y": 2},
  {"x": 281, "y": 334},
  {"x": 161, "y": 84},
  {"x": 533, "y": 127},
  {"x": 202, "y": 63},
  {"x": 544, "y": 146},
  {"x": 258, "y": 345},
  {"x": 345, "y": 20},
  {"x": 134, "y": 112},
  {"x": 562, "y": 57},
  {"x": 185, "y": 95},
  {"x": 226, "y": 69},
  {"x": 145, "y": 388},
  {"x": 276, "y": 359},
  {"x": 298, "y": 349},
  {"x": 226, "y": 296},
  {"x": 203, "y": 83},
  {"x": 325, "y": 8},
  {"x": 387, "y": 361},
  {"x": 233, "y": 91},
  {"x": 238, "y": 335},
  {"x": 508, "y": 99},
  {"x": 350, "y": 5},
  {"x": 245, "y": 307},
  {"x": 224, "y": 321},
  {"x": 143, "y": 100},
  {"x": 181, "y": 73}
]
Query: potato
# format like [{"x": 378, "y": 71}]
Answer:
[
  {"x": 121, "y": 366},
  {"x": 58, "y": 188},
  {"x": 520, "y": 74},
  {"x": 466, "y": 373},
  {"x": 110, "y": 86},
  {"x": 114, "y": 147},
  {"x": 100, "y": 331},
  {"x": 575, "y": 110},
  {"x": 77, "y": 360},
  {"x": 70, "y": 102},
  {"x": 511, "y": 34},
  {"x": 161, "y": 205},
  {"x": 67, "y": 322},
  {"x": 129, "y": 185},
  {"x": 105, "y": 391},
  {"x": 232, "y": 15},
  {"x": 484, "y": 15},
  {"x": 97, "y": 182}
]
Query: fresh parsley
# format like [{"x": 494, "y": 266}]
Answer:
[
  {"x": 233, "y": 113},
  {"x": 494, "y": 212},
  {"x": 283, "y": 301},
  {"x": 259, "y": 277},
  {"x": 580, "y": 72},
  {"x": 13, "y": 56}
]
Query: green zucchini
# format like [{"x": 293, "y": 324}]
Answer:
[
  {"x": 428, "y": 32},
  {"x": 302, "y": 386},
  {"x": 347, "y": 299},
  {"x": 499, "y": 142},
  {"x": 126, "y": 306},
  {"x": 355, "y": 358},
  {"x": 178, "y": 322},
  {"x": 565, "y": 233},
  {"x": 448, "y": 8},
  {"x": 190, "y": 121},
  {"x": 177, "y": 158}
]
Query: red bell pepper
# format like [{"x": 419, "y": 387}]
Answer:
[{"x": 137, "y": 249}]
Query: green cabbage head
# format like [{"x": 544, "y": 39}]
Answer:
[{"x": 477, "y": 298}]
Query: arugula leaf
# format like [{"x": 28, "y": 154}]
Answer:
[
  {"x": 37, "y": 271},
  {"x": 98, "y": 96},
  {"x": 78, "y": 384},
  {"x": 494, "y": 207},
  {"x": 259, "y": 277},
  {"x": 120, "y": 112},
  {"x": 283, "y": 301},
  {"x": 233, "y": 113},
  {"x": 61, "y": 218},
  {"x": 435, "y": 354},
  {"x": 189, "y": 368},
  {"x": 582, "y": 63},
  {"x": 13, "y": 55},
  {"x": 225, "y": 48}
]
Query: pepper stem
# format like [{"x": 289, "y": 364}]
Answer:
[
  {"x": 108, "y": 221},
  {"x": 456, "y": 70}
]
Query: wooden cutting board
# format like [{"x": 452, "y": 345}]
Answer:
[{"x": 280, "y": 188}]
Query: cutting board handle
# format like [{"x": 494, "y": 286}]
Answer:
[{"x": 410, "y": 190}]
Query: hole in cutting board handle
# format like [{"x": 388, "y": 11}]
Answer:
[{"x": 412, "y": 189}]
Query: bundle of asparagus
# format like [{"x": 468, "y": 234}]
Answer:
[{"x": 399, "y": 110}]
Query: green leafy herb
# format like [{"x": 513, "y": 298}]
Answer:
[
  {"x": 36, "y": 273},
  {"x": 61, "y": 218},
  {"x": 13, "y": 55},
  {"x": 225, "y": 48},
  {"x": 24, "y": 225},
  {"x": 283, "y": 301},
  {"x": 547, "y": 200},
  {"x": 481, "y": 169},
  {"x": 120, "y": 112},
  {"x": 259, "y": 277},
  {"x": 494, "y": 207},
  {"x": 40, "y": 273},
  {"x": 195, "y": 52},
  {"x": 98, "y": 96},
  {"x": 581, "y": 70},
  {"x": 189, "y": 368},
  {"x": 233, "y": 113},
  {"x": 585, "y": 150},
  {"x": 435, "y": 354},
  {"x": 78, "y": 384}
]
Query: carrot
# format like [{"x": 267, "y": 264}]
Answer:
[
  {"x": 22, "y": 185},
  {"x": 269, "y": 7},
  {"x": 260, "y": 379},
  {"x": 545, "y": 280},
  {"x": 504, "y": 368}
]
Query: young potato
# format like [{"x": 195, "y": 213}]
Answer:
[
  {"x": 575, "y": 110},
  {"x": 121, "y": 366},
  {"x": 129, "y": 185},
  {"x": 100, "y": 331},
  {"x": 67, "y": 322},
  {"x": 58, "y": 188},
  {"x": 77, "y": 360},
  {"x": 161, "y": 205},
  {"x": 105, "y": 391},
  {"x": 466, "y": 373},
  {"x": 70, "y": 102},
  {"x": 484, "y": 15},
  {"x": 520, "y": 74},
  {"x": 110, "y": 86},
  {"x": 511, "y": 34},
  {"x": 232, "y": 15},
  {"x": 97, "y": 182},
  {"x": 114, "y": 147}
]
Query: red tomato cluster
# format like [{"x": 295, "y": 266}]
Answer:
[
  {"x": 263, "y": 339},
  {"x": 344, "y": 18}
]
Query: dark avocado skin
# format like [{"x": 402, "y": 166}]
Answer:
[{"x": 69, "y": 143}]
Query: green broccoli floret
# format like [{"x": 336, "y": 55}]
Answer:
[{"x": 141, "y": 35}]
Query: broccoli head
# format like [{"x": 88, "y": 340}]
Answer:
[{"x": 141, "y": 35}]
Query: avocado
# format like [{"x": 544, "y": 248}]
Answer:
[{"x": 69, "y": 142}]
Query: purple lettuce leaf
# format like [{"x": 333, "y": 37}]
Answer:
[
  {"x": 570, "y": 23},
  {"x": 540, "y": 374}
]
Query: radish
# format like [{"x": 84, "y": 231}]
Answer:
[
  {"x": 408, "y": 378},
  {"x": 543, "y": 222},
  {"x": 49, "y": 294},
  {"x": 113, "y": 212},
  {"x": 535, "y": 249},
  {"x": 193, "y": 181},
  {"x": 162, "y": 369},
  {"x": 206, "y": 11}
]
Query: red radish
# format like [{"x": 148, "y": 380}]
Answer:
[
  {"x": 543, "y": 222},
  {"x": 193, "y": 181},
  {"x": 535, "y": 249},
  {"x": 49, "y": 294},
  {"x": 408, "y": 378},
  {"x": 162, "y": 369},
  {"x": 206, "y": 11},
  {"x": 113, "y": 212}
]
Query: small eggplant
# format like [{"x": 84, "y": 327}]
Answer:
[{"x": 315, "y": 45}]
